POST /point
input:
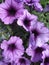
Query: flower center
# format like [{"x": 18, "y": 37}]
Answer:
[
  {"x": 9, "y": 63},
  {"x": 26, "y": 22},
  {"x": 11, "y": 11},
  {"x": 35, "y": 32},
  {"x": 11, "y": 47},
  {"x": 46, "y": 61},
  {"x": 22, "y": 60},
  {"x": 39, "y": 50},
  {"x": 30, "y": 1}
]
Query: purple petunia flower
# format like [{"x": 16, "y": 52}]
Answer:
[
  {"x": 45, "y": 57},
  {"x": 46, "y": 9},
  {"x": 30, "y": 2},
  {"x": 26, "y": 20},
  {"x": 6, "y": 63},
  {"x": 36, "y": 52},
  {"x": 13, "y": 48},
  {"x": 10, "y": 10},
  {"x": 39, "y": 34},
  {"x": 35, "y": 3},
  {"x": 38, "y": 7},
  {"x": 23, "y": 61},
  {"x": 18, "y": 1}
]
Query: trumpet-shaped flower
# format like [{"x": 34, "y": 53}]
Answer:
[
  {"x": 13, "y": 48},
  {"x": 27, "y": 20},
  {"x": 9, "y": 11}
]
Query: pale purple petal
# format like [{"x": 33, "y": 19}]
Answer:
[{"x": 38, "y": 7}]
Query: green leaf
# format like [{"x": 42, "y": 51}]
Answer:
[{"x": 5, "y": 31}]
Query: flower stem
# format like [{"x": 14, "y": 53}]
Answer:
[{"x": 30, "y": 8}]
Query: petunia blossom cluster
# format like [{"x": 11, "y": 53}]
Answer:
[
  {"x": 14, "y": 51},
  {"x": 35, "y": 3}
]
